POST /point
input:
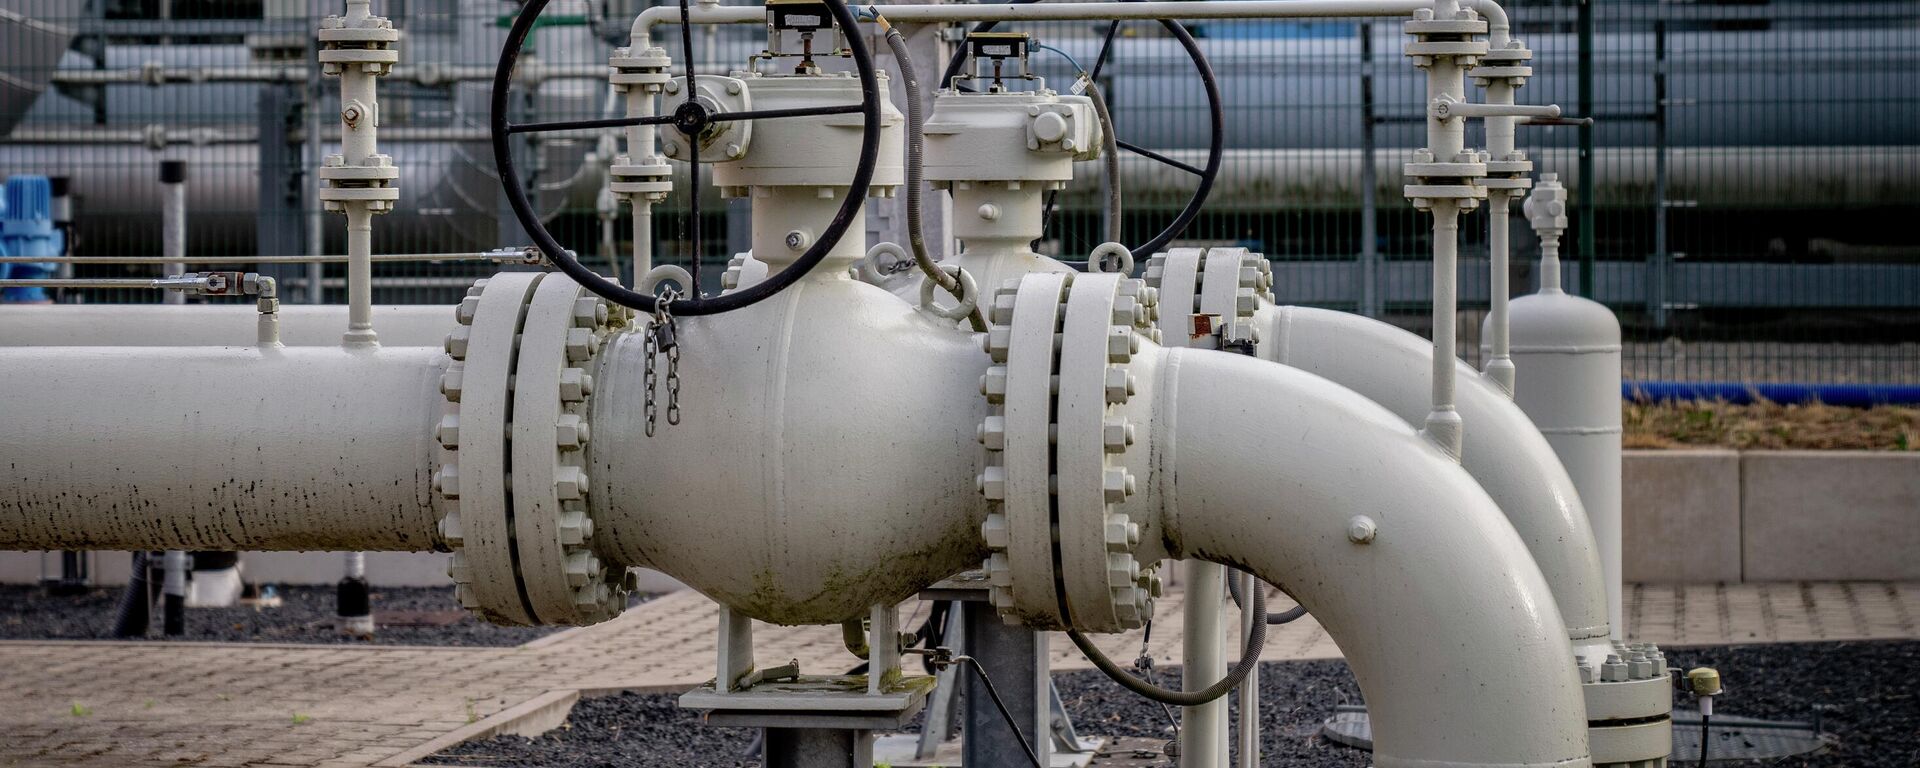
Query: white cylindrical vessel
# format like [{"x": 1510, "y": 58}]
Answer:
[{"x": 1566, "y": 350}]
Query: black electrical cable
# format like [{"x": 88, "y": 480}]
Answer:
[
  {"x": 1216, "y": 137},
  {"x": 690, "y": 117},
  {"x": 1249, "y": 659},
  {"x": 993, "y": 693},
  {"x": 1287, "y": 616},
  {"x": 1704, "y": 732},
  {"x": 132, "y": 617}
]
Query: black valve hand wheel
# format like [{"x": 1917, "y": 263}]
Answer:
[
  {"x": 690, "y": 118},
  {"x": 1216, "y": 141}
]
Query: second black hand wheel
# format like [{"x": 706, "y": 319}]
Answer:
[
  {"x": 690, "y": 118},
  {"x": 1216, "y": 142}
]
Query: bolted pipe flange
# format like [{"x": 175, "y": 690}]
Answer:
[
  {"x": 1056, "y": 448},
  {"x": 518, "y": 399},
  {"x": 1226, "y": 282},
  {"x": 1629, "y": 702}
]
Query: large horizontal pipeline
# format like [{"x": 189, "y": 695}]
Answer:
[
  {"x": 225, "y": 448},
  {"x": 1845, "y": 395},
  {"x": 1218, "y": 9}
]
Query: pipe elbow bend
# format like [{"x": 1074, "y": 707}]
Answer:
[
  {"x": 1447, "y": 622},
  {"x": 1503, "y": 450}
]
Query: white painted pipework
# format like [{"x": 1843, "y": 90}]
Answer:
[
  {"x": 222, "y": 448},
  {"x": 1507, "y": 455},
  {"x": 908, "y": 14},
  {"x": 1500, "y": 145},
  {"x": 1452, "y": 650},
  {"x": 155, "y": 325},
  {"x": 1443, "y": 424},
  {"x": 1248, "y": 742},
  {"x": 360, "y": 276}
]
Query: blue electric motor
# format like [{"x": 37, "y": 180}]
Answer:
[{"x": 26, "y": 229}]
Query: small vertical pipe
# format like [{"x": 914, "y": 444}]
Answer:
[
  {"x": 1202, "y": 728},
  {"x": 1443, "y": 423},
  {"x": 359, "y": 276},
  {"x": 173, "y": 224},
  {"x": 174, "y": 593},
  {"x": 1249, "y": 747},
  {"x": 1500, "y": 362}
]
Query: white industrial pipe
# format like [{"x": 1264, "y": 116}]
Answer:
[
  {"x": 222, "y": 448},
  {"x": 1368, "y": 526},
  {"x": 156, "y": 325},
  {"x": 1507, "y": 455}
]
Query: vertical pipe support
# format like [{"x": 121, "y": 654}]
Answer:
[
  {"x": 1203, "y": 728},
  {"x": 359, "y": 181},
  {"x": 1249, "y": 735},
  {"x": 174, "y": 593},
  {"x": 173, "y": 224}
]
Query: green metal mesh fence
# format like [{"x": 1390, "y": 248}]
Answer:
[{"x": 1745, "y": 199}]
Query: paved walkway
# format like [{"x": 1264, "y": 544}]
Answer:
[{"x": 85, "y": 703}]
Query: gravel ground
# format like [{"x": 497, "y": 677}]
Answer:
[
  {"x": 1865, "y": 693},
  {"x": 406, "y": 616}
]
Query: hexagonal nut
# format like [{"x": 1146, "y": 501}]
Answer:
[
  {"x": 575, "y": 527},
  {"x": 1120, "y": 344},
  {"x": 590, "y": 597},
  {"x": 457, "y": 568},
  {"x": 589, "y": 312},
  {"x": 581, "y": 567},
  {"x": 457, "y": 341},
  {"x": 997, "y": 341},
  {"x": 446, "y": 482},
  {"x": 450, "y": 383},
  {"x": 575, "y": 385},
  {"x": 992, "y": 483},
  {"x": 581, "y": 344},
  {"x": 448, "y": 432},
  {"x": 570, "y": 483},
  {"x": 1244, "y": 302},
  {"x": 999, "y": 570},
  {"x": 1116, "y": 485},
  {"x": 450, "y": 530},
  {"x": 993, "y": 433},
  {"x": 1150, "y": 581},
  {"x": 1116, "y": 435},
  {"x": 1003, "y": 304},
  {"x": 993, "y": 384},
  {"x": 996, "y": 532},
  {"x": 1126, "y": 606},
  {"x": 464, "y": 313},
  {"x": 571, "y": 432},
  {"x": 1121, "y": 534},
  {"x": 1122, "y": 569},
  {"x": 1119, "y": 385}
]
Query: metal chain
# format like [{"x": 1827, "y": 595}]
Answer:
[
  {"x": 662, "y": 338},
  {"x": 652, "y": 410}
]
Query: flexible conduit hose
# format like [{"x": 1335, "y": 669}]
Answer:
[
  {"x": 1287, "y": 616},
  {"x": 1249, "y": 659},
  {"x": 916, "y": 121},
  {"x": 1110, "y": 155}
]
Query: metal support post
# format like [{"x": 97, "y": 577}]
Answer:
[
  {"x": 1370, "y": 304},
  {"x": 359, "y": 182},
  {"x": 1586, "y": 201},
  {"x": 1015, "y": 658},
  {"x": 1661, "y": 267},
  {"x": 1203, "y": 729}
]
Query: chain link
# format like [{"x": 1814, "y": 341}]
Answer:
[{"x": 661, "y": 338}]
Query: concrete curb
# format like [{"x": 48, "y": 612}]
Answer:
[{"x": 1731, "y": 516}]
